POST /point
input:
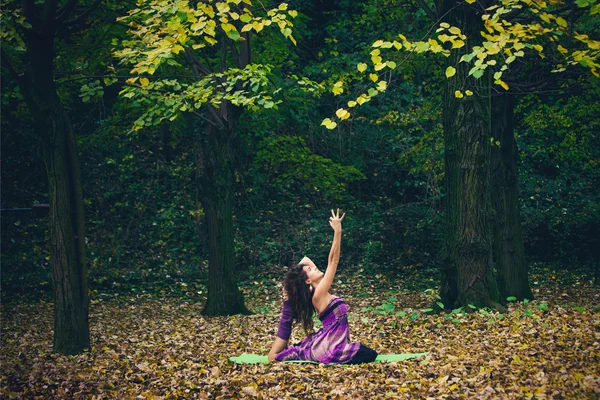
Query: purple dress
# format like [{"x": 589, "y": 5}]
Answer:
[{"x": 330, "y": 344}]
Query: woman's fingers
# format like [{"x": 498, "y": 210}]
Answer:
[{"x": 336, "y": 215}]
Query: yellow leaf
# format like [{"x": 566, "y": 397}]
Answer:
[
  {"x": 351, "y": 104},
  {"x": 362, "y": 67},
  {"x": 381, "y": 86},
  {"x": 435, "y": 46},
  {"x": 144, "y": 81},
  {"x": 458, "y": 94},
  {"x": 454, "y": 30},
  {"x": 293, "y": 13},
  {"x": 374, "y": 77},
  {"x": 561, "y": 22},
  {"x": 362, "y": 99},
  {"x": 258, "y": 26},
  {"x": 468, "y": 93},
  {"x": 397, "y": 45},
  {"x": 328, "y": 123},
  {"x": 450, "y": 72},
  {"x": 342, "y": 114},
  {"x": 377, "y": 43},
  {"x": 470, "y": 1},
  {"x": 501, "y": 83},
  {"x": 457, "y": 44}
]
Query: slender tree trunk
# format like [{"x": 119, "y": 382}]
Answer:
[
  {"x": 66, "y": 218},
  {"x": 216, "y": 179},
  {"x": 508, "y": 248},
  {"x": 467, "y": 273}
]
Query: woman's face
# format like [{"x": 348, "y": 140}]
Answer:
[{"x": 312, "y": 273}]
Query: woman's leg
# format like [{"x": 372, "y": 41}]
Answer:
[{"x": 363, "y": 355}]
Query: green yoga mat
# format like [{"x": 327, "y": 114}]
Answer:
[{"x": 258, "y": 359}]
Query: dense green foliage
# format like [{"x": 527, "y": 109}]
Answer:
[{"x": 384, "y": 167}]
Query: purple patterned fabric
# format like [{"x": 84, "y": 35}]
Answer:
[
  {"x": 285, "y": 323},
  {"x": 330, "y": 344}
]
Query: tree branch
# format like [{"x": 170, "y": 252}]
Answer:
[
  {"x": 64, "y": 11},
  {"x": 194, "y": 61},
  {"x": 9, "y": 64},
  {"x": 430, "y": 13},
  {"x": 28, "y": 7},
  {"x": 84, "y": 14},
  {"x": 534, "y": 17},
  {"x": 49, "y": 16}
]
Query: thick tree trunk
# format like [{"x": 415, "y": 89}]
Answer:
[
  {"x": 508, "y": 248},
  {"x": 216, "y": 179},
  {"x": 467, "y": 273},
  {"x": 66, "y": 219}
]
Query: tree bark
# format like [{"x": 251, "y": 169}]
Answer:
[
  {"x": 508, "y": 247},
  {"x": 467, "y": 273},
  {"x": 216, "y": 180},
  {"x": 66, "y": 216}
]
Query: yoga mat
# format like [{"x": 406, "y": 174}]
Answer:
[{"x": 258, "y": 359}]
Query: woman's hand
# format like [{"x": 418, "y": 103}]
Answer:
[{"x": 336, "y": 221}]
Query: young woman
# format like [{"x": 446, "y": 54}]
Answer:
[{"x": 306, "y": 291}]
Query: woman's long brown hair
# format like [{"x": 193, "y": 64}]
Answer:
[{"x": 300, "y": 296}]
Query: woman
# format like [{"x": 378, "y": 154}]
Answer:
[{"x": 306, "y": 291}]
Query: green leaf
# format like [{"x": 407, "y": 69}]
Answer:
[
  {"x": 511, "y": 298},
  {"x": 478, "y": 73},
  {"x": 233, "y": 34}
]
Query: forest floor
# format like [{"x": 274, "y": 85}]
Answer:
[{"x": 146, "y": 346}]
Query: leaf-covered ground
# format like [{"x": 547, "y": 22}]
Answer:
[{"x": 150, "y": 347}]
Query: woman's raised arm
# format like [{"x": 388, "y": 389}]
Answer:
[{"x": 322, "y": 288}]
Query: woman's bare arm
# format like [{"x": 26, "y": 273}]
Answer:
[
  {"x": 278, "y": 346},
  {"x": 323, "y": 287}
]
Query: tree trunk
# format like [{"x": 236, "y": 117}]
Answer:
[
  {"x": 467, "y": 273},
  {"x": 216, "y": 179},
  {"x": 66, "y": 219},
  {"x": 508, "y": 248}
]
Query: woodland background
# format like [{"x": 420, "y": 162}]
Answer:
[{"x": 145, "y": 227}]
